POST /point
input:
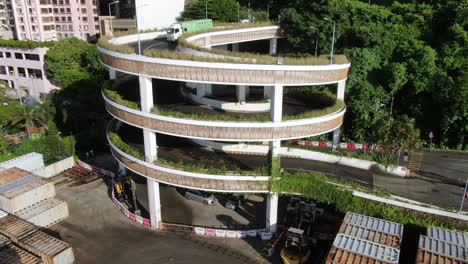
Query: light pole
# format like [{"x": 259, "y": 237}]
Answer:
[
  {"x": 110, "y": 15},
  {"x": 137, "y": 27},
  {"x": 316, "y": 40},
  {"x": 206, "y": 9},
  {"x": 333, "y": 40},
  {"x": 464, "y": 196},
  {"x": 238, "y": 12},
  {"x": 268, "y": 9}
]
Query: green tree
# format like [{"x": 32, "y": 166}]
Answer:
[
  {"x": 55, "y": 146},
  {"x": 396, "y": 134},
  {"x": 30, "y": 116},
  {"x": 218, "y": 10},
  {"x": 72, "y": 60}
]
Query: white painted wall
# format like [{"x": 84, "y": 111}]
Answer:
[
  {"x": 157, "y": 13},
  {"x": 29, "y": 162}
]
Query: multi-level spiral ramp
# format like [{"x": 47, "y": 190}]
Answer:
[{"x": 210, "y": 85}]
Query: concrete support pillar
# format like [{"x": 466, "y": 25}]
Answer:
[
  {"x": 272, "y": 212},
  {"x": 275, "y": 147},
  {"x": 340, "y": 94},
  {"x": 146, "y": 93},
  {"x": 267, "y": 92},
  {"x": 154, "y": 203},
  {"x": 241, "y": 92},
  {"x": 112, "y": 74},
  {"x": 276, "y": 108},
  {"x": 208, "y": 88},
  {"x": 122, "y": 168},
  {"x": 151, "y": 148},
  {"x": 235, "y": 47},
  {"x": 273, "y": 46},
  {"x": 340, "y": 91},
  {"x": 146, "y": 97},
  {"x": 276, "y": 112}
]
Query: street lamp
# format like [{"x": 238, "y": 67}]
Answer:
[
  {"x": 333, "y": 40},
  {"x": 316, "y": 40},
  {"x": 137, "y": 27},
  {"x": 268, "y": 9},
  {"x": 206, "y": 9},
  {"x": 110, "y": 15}
]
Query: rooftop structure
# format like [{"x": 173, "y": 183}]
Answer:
[
  {"x": 43, "y": 20},
  {"x": 201, "y": 76},
  {"x": 373, "y": 223},
  {"x": 31, "y": 197},
  {"x": 442, "y": 246},
  {"x": 364, "y": 239},
  {"x": 348, "y": 249},
  {"x": 30, "y": 244}
]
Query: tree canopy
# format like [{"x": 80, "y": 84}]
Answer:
[
  {"x": 412, "y": 51},
  {"x": 219, "y": 10}
]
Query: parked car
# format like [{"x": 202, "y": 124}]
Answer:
[{"x": 200, "y": 196}]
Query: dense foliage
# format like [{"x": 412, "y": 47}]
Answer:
[
  {"x": 412, "y": 51},
  {"x": 26, "y": 44},
  {"x": 79, "y": 106},
  {"x": 219, "y": 10}
]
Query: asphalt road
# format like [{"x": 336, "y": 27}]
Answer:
[{"x": 439, "y": 187}]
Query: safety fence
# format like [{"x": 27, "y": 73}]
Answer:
[{"x": 328, "y": 144}]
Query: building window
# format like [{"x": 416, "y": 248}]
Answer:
[
  {"x": 34, "y": 57},
  {"x": 3, "y": 70},
  {"x": 21, "y": 72},
  {"x": 83, "y": 10},
  {"x": 35, "y": 73},
  {"x": 11, "y": 70},
  {"x": 1, "y": 54},
  {"x": 18, "y": 56},
  {"x": 7, "y": 55},
  {"x": 85, "y": 19}
]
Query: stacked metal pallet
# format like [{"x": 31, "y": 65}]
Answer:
[
  {"x": 364, "y": 239},
  {"x": 29, "y": 244},
  {"x": 30, "y": 197},
  {"x": 443, "y": 246}
]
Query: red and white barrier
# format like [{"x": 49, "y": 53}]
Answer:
[{"x": 328, "y": 144}]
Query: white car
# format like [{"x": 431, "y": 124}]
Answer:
[{"x": 200, "y": 196}]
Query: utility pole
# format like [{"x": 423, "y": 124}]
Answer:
[
  {"x": 333, "y": 39},
  {"x": 464, "y": 196}
]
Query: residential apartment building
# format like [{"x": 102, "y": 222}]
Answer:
[
  {"x": 44, "y": 20},
  {"x": 151, "y": 14},
  {"x": 7, "y": 22},
  {"x": 23, "y": 71}
]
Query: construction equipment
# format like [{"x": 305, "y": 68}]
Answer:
[{"x": 296, "y": 249}]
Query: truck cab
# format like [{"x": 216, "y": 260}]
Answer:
[{"x": 174, "y": 32}]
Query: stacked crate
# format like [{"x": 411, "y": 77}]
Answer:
[
  {"x": 30, "y": 197},
  {"x": 24, "y": 239},
  {"x": 442, "y": 246},
  {"x": 364, "y": 239}
]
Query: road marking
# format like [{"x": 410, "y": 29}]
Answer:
[{"x": 159, "y": 43}]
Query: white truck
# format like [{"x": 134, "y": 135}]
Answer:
[{"x": 177, "y": 29}]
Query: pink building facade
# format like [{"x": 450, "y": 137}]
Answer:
[
  {"x": 23, "y": 71},
  {"x": 44, "y": 20}
]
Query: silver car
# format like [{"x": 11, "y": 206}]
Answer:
[{"x": 200, "y": 196}]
